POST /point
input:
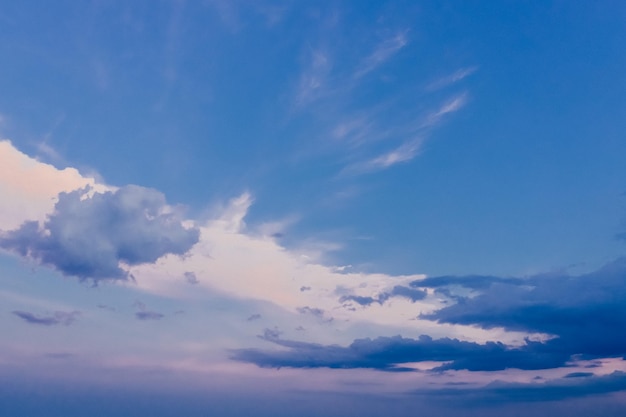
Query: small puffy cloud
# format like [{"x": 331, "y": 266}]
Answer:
[
  {"x": 148, "y": 315},
  {"x": 191, "y": 277},
  {"x": 412, "y": 294},
  {"x": 145, "y": 314},
  {"x": 58, "y": 317},
  {"x": 88, "y": 236}
]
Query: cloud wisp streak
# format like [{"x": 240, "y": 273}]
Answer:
[
  {"x": 382, "y": 53},
  {"x": 451, "y": 79}
]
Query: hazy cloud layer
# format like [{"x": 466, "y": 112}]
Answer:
[
  {"x": 505, "y": 392},
  {"x": 88, "y": 237}
]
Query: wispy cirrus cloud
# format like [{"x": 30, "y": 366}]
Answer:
[
  {"x": 384, "y": 51},
  {"x": 403, "y": 153},
  {"x": 451, "y": 106},
  {"x": 313, "y": 83},
  {"x": 451, "y": 79}
]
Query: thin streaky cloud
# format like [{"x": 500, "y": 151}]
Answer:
[
  {"x": 383, "y": 52},
  {"x": 454, "y": 104},
  {"x": 403, "y": 153},
  {"x": 313, "y": 79},
  {"x": 410, "y": 148},
  {"x": 453, "y": 78}
]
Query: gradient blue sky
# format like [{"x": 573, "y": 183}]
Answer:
[{"x": 270, "y": 208}]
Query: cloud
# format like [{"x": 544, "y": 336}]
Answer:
[
  {"x": 583, "y": 317},
  {"x": 58, "y": 317},
  {"x": 382, "y": 53},
  {"x": 313, "y": 81},
  {"x": 453, "y": 78},
  {"x": 403, "y": 153},
  {"x": 392, "y": 353},
  {"x": 586, "y": 314},
  {"x": 471, "y": 281},
  {"x": 89, "y": 236},
  {"x": 28, "y": 188},
  {"x": 411, "y": 294},
  {"x": 148, "y": 315},
  {"x": 191, "y": 277},
  {"x": 452, "y": 105},
  {"x": 145, "y": 314},
  {"x": 253, "y": 317}
]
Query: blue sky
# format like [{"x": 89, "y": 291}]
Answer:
[{"x": 416, "y": 202}]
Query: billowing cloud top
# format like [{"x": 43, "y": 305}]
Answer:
[{"x": 88, "y": 236}]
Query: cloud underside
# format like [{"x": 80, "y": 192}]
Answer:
[
  {"x": 57, "y": 318},
  {"x": 89, "y": 236},
  {"x": 390, "y": 353},
  {"x": 585, "y": 315}
]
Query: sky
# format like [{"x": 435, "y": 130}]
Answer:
[{"x": 317, "y": 208}]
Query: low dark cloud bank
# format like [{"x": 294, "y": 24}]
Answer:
[
  {"x": 586, "y": 315},
  {"x": 389, "y": 353},
  {"x": 507, "y": 392},
  {"x": 87, "y": 237}
]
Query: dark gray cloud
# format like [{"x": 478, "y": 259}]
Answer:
[
  {"x": 317, "y": 312},
  {"x": 191, "y": 278},
  {"x": 361, "y": 300},
  {"x": 412, "y": 294},
  {"x": 389, "y": 353},
  {"x": 88, "y": 237},
  {"x": 144, "y": 313},
  {"x": 586, "y": 313},
  {"x": 148, "y": 315},
  {"x": 578, "y": 375},
  {"x": 253, "y": 317},
  {"x": 57, "y": 318}
]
